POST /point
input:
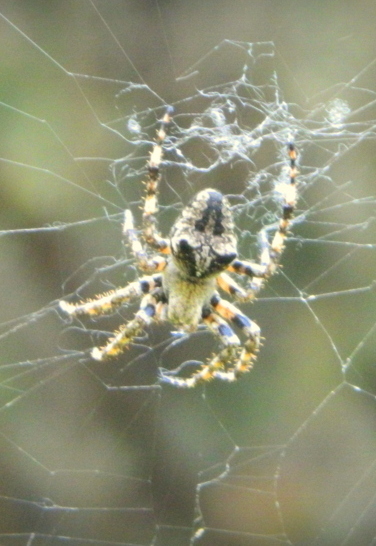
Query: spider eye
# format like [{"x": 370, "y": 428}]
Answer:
[
  {"x": 184, "y": 246},
  {"x": 185, "y": 252}
]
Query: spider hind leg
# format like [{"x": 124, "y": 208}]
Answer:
[
  {"x": 234, "y": 359},
  {"x": 149, "y": 310}
]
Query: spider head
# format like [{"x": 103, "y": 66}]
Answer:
[{"x": 203, "y": 242}]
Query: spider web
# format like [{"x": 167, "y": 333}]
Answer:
[{"x": 102, "y": 454}]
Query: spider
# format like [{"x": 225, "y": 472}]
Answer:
[{"x": 185, "y": 271}]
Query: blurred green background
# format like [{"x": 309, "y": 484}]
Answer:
[{"x": 293, "y": 431}]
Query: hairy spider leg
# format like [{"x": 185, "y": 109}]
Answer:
[
  {"x": 150, "y": 230},
  {"x": 231, "y": 343},
  {"x": 149, "y": 309},
  {"x": 239, "y": 358},
  {"x": 146, "y": 263},
  {"x": 270, "y": 253},
  {"x": 290, "y": 197},
  {"x": 249, "y": 328},
  {"x": 227, "y": 284},
  {"x": 109, "y": 302}
]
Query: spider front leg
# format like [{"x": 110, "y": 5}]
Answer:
[
  {"x": 270, "y": 253},
  {"x": 150, "y": 230},
  {"x": 145, "y": 262},
  {"x": 289, "y": 196}
]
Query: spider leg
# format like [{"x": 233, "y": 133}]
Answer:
[
  {"x": 114, "y": 299},
  {"x": 229, "y": 340},
  {"x": 251, "y": 330},
  {"x": 289, "y": 195},
  {"x": 150, "y": 309},
  {"x": 150, "y": 229},
  {"x": 258, "y": 272},
  {"x": 270, "y": 253},
  {"x": 217, "y": 367},
  {"x": 227, "y": 284},
  {"x": 144, "y": 261}
]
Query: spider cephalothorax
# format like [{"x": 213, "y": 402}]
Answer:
[{"x": 188, "y": 269}]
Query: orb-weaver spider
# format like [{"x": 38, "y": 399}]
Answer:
[{"x": 186, "y": 269}]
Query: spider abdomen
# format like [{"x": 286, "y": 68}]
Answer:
[{"x": 186, "y": 297}]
